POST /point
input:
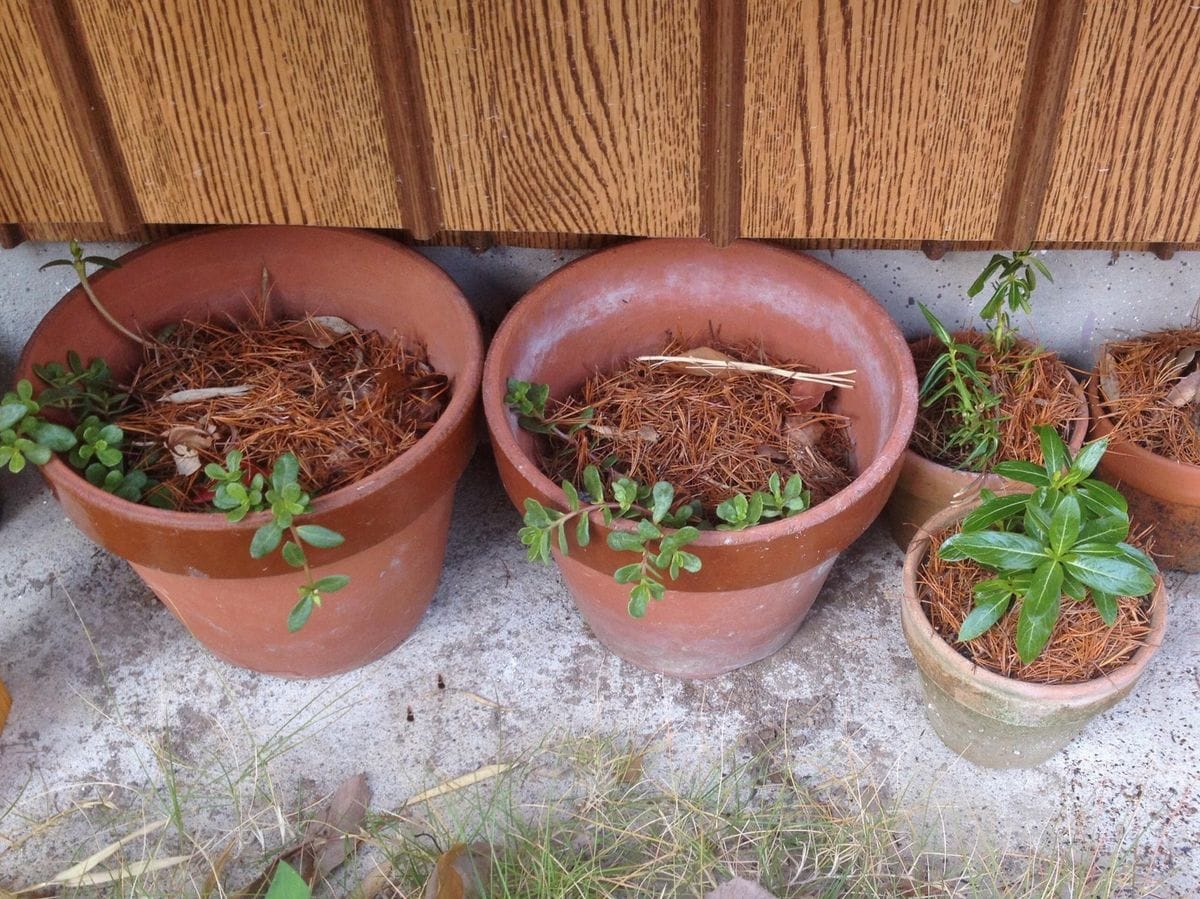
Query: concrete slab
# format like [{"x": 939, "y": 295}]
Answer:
[{"x": 100, "y": 672}]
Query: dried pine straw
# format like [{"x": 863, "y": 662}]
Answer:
[
  {"x": 345, "y": 409},
  {"x": 1136, "y": 376},
  {"x": 1081, "y": 648},
  {"x": 1036, "y": 389},
  {"x": 710, "y": 437}
]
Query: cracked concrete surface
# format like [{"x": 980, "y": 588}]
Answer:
[{"x": 98, "y": 668}]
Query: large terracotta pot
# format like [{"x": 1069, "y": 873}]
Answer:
[
  {"x": 1161, "y": 492},
  {"x": 997, "y": 721},
  {"x": 395, "y": 521},
  {"x": 756, "y": 585},
  {"x": 925, "y": 487}
]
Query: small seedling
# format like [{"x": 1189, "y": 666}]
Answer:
[
  {"x": 24, "y": 435},
  {"x": 238, "y": 493},
  {"x": 663, "y": 524},
  {"x": 79, "y": 263},
  {"x": 1011, "y": 291},
  {"x": 1068, "y": 537},
  {"x": 83, "y": 390}
]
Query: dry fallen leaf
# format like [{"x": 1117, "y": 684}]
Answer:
[
  {"x": 1108, "y": 377},
  {"x": 807, "y": 395},
  {"x": 1185, "y": 391},
  {"x": 696, "y": 368},
  {"x": 461, "y": 872},
  {"x": 1185, "y": 356},
  {"x": 321, "y": 331},
  {"x": 204, "y": 393},
  {"x": 330, "y": 836},
  {"x": 801, "y": 431},
  {"x": 184, "y": 441}
]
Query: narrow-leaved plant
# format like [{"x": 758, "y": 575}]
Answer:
[{"x": 1069, "y": 537}]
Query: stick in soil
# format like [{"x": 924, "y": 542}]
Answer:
[
  {"x": 710, "y": 437},
  {"x": 1081, "y": 648}
]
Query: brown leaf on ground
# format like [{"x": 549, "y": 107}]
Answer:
[
  {"x": 807, "y": 395},
  {"x": 329, "y": 836},
  {"x": 184, "y": 442},
  {"x": 802, "y": 431},
  {"x": 694, "y": 368},
  {"x": 461, "y": 872},
  {"x": 1185, "y": 391},
  {"x": 321, "y": 331}
]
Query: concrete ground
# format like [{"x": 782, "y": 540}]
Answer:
[{"x": 98, "y": 668}]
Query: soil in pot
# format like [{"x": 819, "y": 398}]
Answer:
[
  {"x": 1146, "y": 401},
  {"x": 711, "y": 431},
  {"x": 1034, "y": 388}
]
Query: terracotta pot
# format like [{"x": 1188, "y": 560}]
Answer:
[
  {"x": 756, "y": 585},
  {"x": 926, "y": 487},
  {"x": 997, "y": 721},
  {"x": 1161, "y": 492},
  {"x": 395, "y": 521},
  {"x": 5, "y": 705}
]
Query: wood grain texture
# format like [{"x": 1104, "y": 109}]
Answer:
[
  {"x": 556, "y": 115},
  {"x": 42, "y": 174},
  {"x": 246, "y": 110},
  {"x": 1127, "y": 162},
  {"x": 723, "y": 32},
  {"x": 880, "y": 118}
]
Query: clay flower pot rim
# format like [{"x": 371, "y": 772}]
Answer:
[
  {"x": 1079, "y": 423},
  {"x": 461, "y": 400},
  {"x": 1088, "y": 691},
  {"x": 503, "y": 423},
  {"x": 1171, "y": 468}
]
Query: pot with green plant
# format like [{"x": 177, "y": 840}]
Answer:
[
  {"x": 689, "y": 574},
  {"x": 268, "y": 427},
  {"x": 1030, "y": 613},
  {"x": 982, "y": 395},
  {"x": 1145, "y": 400}
]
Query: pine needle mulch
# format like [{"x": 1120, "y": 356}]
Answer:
[
  {"x": 1137, "y": 378},
  {"x": 344, "y": 401},
  {"x": 1081, "y": 648},
  {"x": 709, "y": 436},
  {"x": 1035, "y": 387}
]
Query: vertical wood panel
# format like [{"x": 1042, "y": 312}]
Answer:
[
  {"x": 42, "y": 176},
  {"x": 1127, "y": 164},
  {"x": 559, "y": 115},
  {"x": 723, "y": 32},
  {"x": 246, "y": 110},
  {"x": 880, "y": 118}
]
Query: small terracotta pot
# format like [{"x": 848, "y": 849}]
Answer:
[
  {"x": 997, "y": 721},
  {"x": 395, "y": 520},
  {"x": 926, "y": 487},
  {"x": 756, "y": 585},
  {"x": 5, "y": 705},
  {"x": 1161, "y": 492}
]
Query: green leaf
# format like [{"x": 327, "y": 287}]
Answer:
[
  {"x": 992, "y": 598},
  {"x": 1106, "y": 605},
  {"x": 1108, "y": 574},
  {"x": 639, "y": 597},
  {"x": 624, "y": 541},
  {"x": 1054, "y": 451},
  {"x": 293, "y": 554},
  {"x": 11, "y": 413},
  {"x": 1064, "y": 524},
  {"x": 572, "y": 495},
  {"x": 102, "y": 261},
  {"x": 583, "y": 531},
  {"x": 935, "y": 325},
  {"x": 331, "y": 583},
  {"x": 266, "y": 538},
  {"x": 995, "y": 510},
  {"x": 627, "y": 574},
  {"x": 1106, "y": 529},
  {"x": 647, "y": 530},
  {"x": 109, "y": 456},
  {"x": 1073, "y": 588},
  {"x": 1138, "y": 557},
  {"x": 286, "y": 472},
  {"x": 1100, "y": 499},
  {"x": 625, "y": 492},
  {"x": 53, "y": 262},
  {"x": 688, "y": 562},
  {"x": 214, "y": 471},
  {"x": 36, "y": 453},
  {"x": 995, "y": 549},
  {"x": 320, "y": 537},
  {"x": 664, "y": 495},
  {"x": 298, "y": 617},
  {"x": 536, "y": 515},
  {"x": 592, "y": 484},
  {"x": 1039, "y": 611},
  {"x": 1026, "y": 472},
  {"x": 53, "y": 437},
  {"x": 1089, "y": 457}
]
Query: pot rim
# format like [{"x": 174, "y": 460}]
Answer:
[
  {"x": 948, "y": 657},
  {"x": 1134, "y": 458},
  {"x": 1079, "y": 424},
  {"x": 501, "y": 423},
  {"x": 460, "y": 405}
]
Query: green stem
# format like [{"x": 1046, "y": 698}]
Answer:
[{"x": 95, "y": 300}]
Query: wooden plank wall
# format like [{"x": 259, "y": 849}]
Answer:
[{"x": 561, "y": 122}]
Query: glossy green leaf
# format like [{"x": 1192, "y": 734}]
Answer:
[
  {"x": 995, "y": 549},
  {"x": 1099, "y": 499},
  {"x": 994, "y": 511},
  {"x": 1089, "y": 457},
  {"x": 992, "y": 598},
  {"x": 1025, "y": 472},
  {"x": 1106, "y": 605},
  {"x": 1118, "y": 576},
  {"x": 293, "y": 554},
  {"x": 1054, "y": 451},
  {"x": 1064, "y": 524},
  {"x": 1039, "y": 611},
  {"x": 318, "y": 536},
  {"x": 1106, "y": 529},
  {"x": 935, "y": 325},
  {"x": 300, "y": 613}
]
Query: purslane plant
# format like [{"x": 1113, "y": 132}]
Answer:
[
  {"x": 663, "y": 523},
  {"x": 1069, "y": 537},
  {"x": 238, "y": 493}
]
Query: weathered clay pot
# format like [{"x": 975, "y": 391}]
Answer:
[
  {"x": 997, "y": 721},
  {"x": 756, "y": 585},
  {"x": 1161, "y": 492},
  {"x": 925, "y": 487},
  {"x": 395, "y": 521}
]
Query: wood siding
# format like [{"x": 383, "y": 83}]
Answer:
[{"x": 852, "y": 122}]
